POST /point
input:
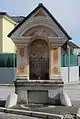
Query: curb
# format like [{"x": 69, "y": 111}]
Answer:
[
  {"x": 31, "y": 113},
  {"x": 72, "y": 83}
]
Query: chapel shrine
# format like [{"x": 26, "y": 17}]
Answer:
[{"x": 39, "y": 39}]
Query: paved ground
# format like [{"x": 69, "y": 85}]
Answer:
[
  {"x": 14, "y": 116},
  {"x": 72, "y": 90},
  {"x": 5, "y": 91}
]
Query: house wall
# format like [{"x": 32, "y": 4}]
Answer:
[
  {"x": 76, "y": 51},
  {"x": 8, "y": 45},
  {"x": 8, "y": 76},
  {"x": 73, "y": 73},
  {"x": 1, "y": 34}
]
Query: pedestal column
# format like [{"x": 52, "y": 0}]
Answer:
[
  {"x": 22, "y": 62},
  {"x": 55, "y": 63}
]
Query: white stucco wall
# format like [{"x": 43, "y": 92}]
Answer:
[
  {"x": 64, "y": 73},
  {"x": 73, "y": 73}
]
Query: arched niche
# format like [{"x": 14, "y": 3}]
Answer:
[{"x": 38, "y": 51}]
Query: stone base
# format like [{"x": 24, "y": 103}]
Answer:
[{"x": 38, "y": 91}]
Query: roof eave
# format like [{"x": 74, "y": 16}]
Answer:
[{"x": 40, "y": 6}]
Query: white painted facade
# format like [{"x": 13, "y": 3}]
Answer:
[{"x": 70, "y": 74}]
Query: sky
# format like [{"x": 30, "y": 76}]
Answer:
[{"x": 67, "y": 12}]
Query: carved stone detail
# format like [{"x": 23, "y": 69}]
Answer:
[{"x": 39, "y": 31}]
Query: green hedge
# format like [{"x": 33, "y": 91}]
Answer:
[{"x": 8, "y": 60}]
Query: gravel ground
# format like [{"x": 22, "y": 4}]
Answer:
[{"x": 68, "y": 112}]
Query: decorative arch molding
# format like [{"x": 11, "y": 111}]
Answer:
[
  {"x": 35, "y": 38},
  {"x": 39, "y": 43},
  {"x": 38, "y": 24},
  {"x": 39, "y": 30}
]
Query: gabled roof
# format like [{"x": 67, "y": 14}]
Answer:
[
  {"x": 17, "y": 19},
  {"x": 73, "y": 45},
  {"x": 4, "y": 14},
  {"x": 27, "y": 17}
]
